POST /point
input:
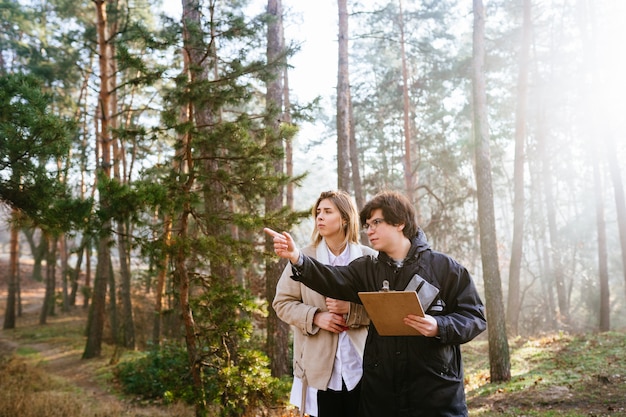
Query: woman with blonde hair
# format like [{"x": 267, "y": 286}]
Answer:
[{"x": 329, "y": 334}]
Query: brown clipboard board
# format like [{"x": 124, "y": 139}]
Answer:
[{"x": 386, "y": 310}]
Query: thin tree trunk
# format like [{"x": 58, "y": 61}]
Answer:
[
  {"x": 354, "y": 162},
  {"x": 65, "y": 273},
  {"x": 87, "y": 291},
  {"x": 160, "y": 285},
  {"x": 113, "y": 310},
  {"x": 343, "y": 99},
  {"x": 409, "y": 180},
  {"x": 128, "y": 324},
  {"x": 499, "y": 360},
  {"x": 603, "y": 265},
  {"x": 620, "y": 200},
  {"x": 48, "y": 308},
  {"x": 513, "y": 305}
]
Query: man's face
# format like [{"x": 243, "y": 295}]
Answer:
[{"x": 383, "y": 236}]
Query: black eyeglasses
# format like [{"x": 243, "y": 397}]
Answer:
[{"x": 373, "y": 225}]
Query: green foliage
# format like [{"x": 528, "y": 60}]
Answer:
[
  {"x": 162, "y": 372},
  {"x": 32, "y": 142}
]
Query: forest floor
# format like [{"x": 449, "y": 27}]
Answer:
[{"x": 552, "y": 375}]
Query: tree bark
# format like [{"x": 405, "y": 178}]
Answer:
[
  {"x": 48, "y": 307},
  {"x": 409, "y": 179},
  {"x": 357, "y": 183},
  {"x": 277, "y": 330},
  {"x": 499, "y": 360},
  {"x": 517, "y": 244},
  {"x": 160, "y": 285},
  {"x": 343, "y": 100},
  {"x": 11, "y": 306},
  {"x": 95, "y": 322}
]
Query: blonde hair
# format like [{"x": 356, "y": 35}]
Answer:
[{"x": 349, "y": 215}]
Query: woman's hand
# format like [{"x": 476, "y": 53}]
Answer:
[
  {"x": 330, "y": 321},
  {"x": 337, "y": 306}
]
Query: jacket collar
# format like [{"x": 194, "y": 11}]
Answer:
[{"x": 418, "y": 245}]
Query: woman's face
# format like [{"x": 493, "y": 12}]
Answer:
[{"x": 328, "y": 220}]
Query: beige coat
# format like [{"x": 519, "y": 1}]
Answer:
[{"x": 314, "y": 349}]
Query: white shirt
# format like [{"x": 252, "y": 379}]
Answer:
[{"x": 348, "y": 364}]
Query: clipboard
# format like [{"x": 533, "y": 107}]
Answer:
[{"x": 386, "y": 310}]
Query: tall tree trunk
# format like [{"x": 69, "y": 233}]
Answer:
[
  {"x": 513, "y": 305},
  {"x": 95, "y": 322},
  {"x": 499, "y": 360},
  {"x": 12, "y": 290},
  {"x": 343, "y": 100},
  {"x": 277, "y": 330},
  {"x": 409, "y": 180},
  {"x": 197, "y": 69}
]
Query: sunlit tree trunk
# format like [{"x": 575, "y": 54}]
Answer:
[
  {"x": 95, "y": 322},
  {"x": 499, "y": 360}
]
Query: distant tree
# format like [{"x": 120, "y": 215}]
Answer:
[
  {"x": 499, "y": 360},
  {"x": 521, "y": 120},
  {"x": 10, "y": 312},
  {"x": 410, "y": 181},
  {"x": 343, "y": 101},
  {"x": 31, "y": 140},
  {"x": 216, "y": 188}
]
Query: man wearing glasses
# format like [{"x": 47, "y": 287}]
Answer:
[{"x": 402, "y": 375}]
